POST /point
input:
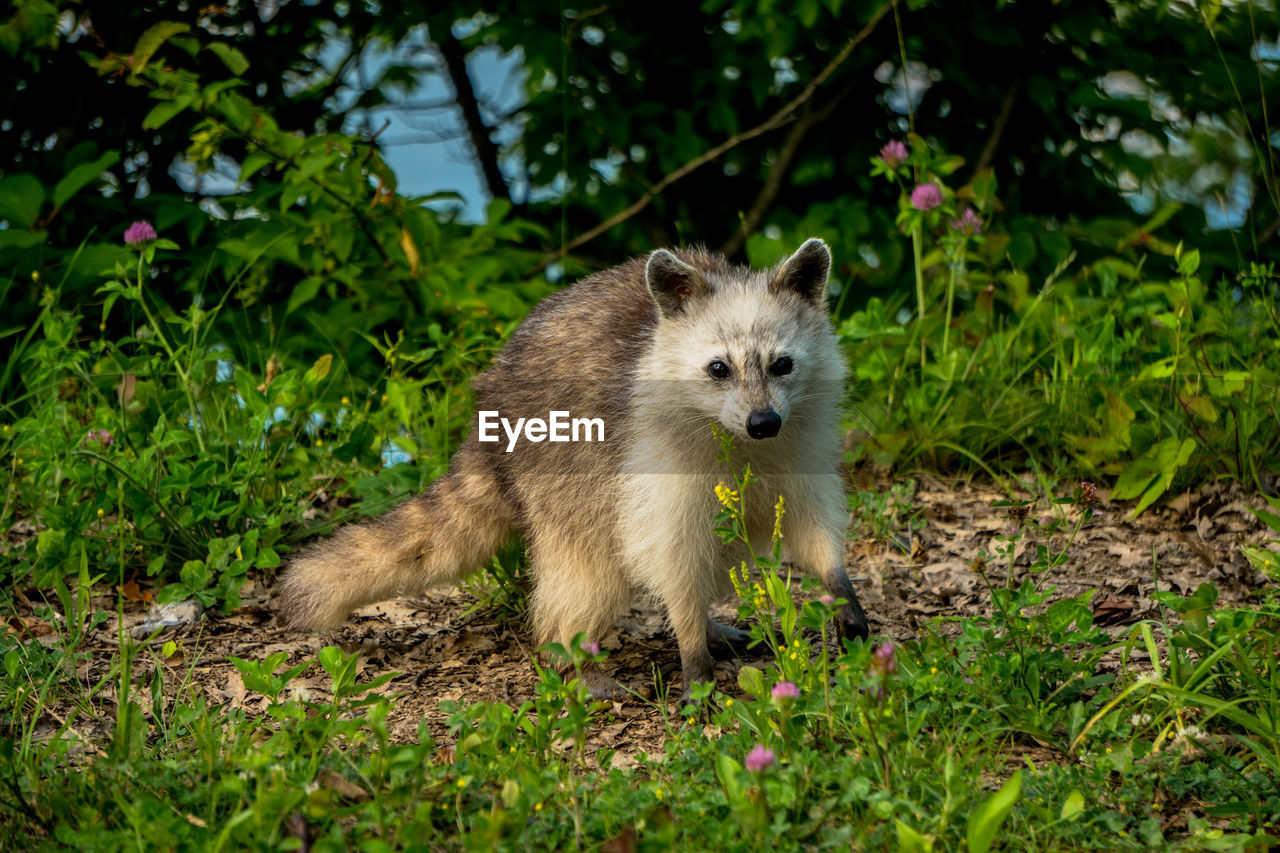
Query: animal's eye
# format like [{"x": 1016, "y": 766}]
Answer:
[
  {"x": 781, "y": 366},
  {"x": 718, "y": 370}
]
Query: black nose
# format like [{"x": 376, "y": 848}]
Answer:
[{"x": 764, "y": 424}]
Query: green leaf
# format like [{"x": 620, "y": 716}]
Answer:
[
  {"x": 341, "y": 668},
  {"x": 150, "y": 41},
  {"x": 1134, "y": 479},
  {"x": 1263, "y": 559},
  {"x": 1170, "y": 457},
  {"x": 911, "y": 841},
  {"x": 320, "y": 369},
  {"x": 303, "y": 292},
  {"x": 11, "y": 238},
  {"x": 751, "y": 680},
  {"x": 1270, "y": 519},
  {"x": 1072, "y": 806},
  {"x": 51, "y": 543},
  {"x": 807, "y": 12},
  {"x": 81, "y": 176},
  {"x": 1189, "y": 262},
  {"x": 20, "y": 199},
  {"x": 163, "y": 111},
  {"x": 984, "y": 186},
  {"x": 985, "y": 822},
  {"x": 1200, "y": 407},
  {"x": 195, "y": 575},
  {"x": 730, "y": 773},
  {"x": 946, "y": 164},
  {"x": 231, "y": 57},
  {"x": 247, "y": 387},
  {"x": 173, "y": 593},
  {"x": 253, "y": 162}
]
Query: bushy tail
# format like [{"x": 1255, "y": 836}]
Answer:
[{"x": 429, "y": 540}]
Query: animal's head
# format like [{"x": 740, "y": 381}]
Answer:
[{"x": 751, "y": 349}]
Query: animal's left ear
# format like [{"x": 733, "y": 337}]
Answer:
[{"x": 806, "y": 271}]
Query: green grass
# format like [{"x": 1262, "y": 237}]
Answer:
[{"x": 1003, "y": 731}]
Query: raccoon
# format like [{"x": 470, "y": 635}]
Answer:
[{"x": 657, "y": 350}]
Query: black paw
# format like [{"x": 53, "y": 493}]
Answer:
[
  {"x": 726, "y": 641},
  {"x": 851, "y": 622}
]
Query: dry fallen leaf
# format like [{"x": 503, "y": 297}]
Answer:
[
  {"x": 132, "y": 592},
  {"x": 1112, "y": 611},
  {"x": 341, "y": 786}
]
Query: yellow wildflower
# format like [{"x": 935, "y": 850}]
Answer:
[{"x": 728, "y": 497}]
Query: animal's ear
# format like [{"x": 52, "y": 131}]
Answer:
[
  {"x": 806, "y": 271},
  {"x": 672, "y": 282}
]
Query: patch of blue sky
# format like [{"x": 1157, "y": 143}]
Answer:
[
  {"x": 315, "y": 421},
  {"x": 394, "y": 454}
]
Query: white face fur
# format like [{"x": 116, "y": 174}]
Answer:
[{"x": 749, "y": 351}]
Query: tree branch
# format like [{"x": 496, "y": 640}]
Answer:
[
  {"x": 486, "y": 151},
  {"x": 778, "y": 119},
  {"x": 778, "y": 173},
  {"x": 1269, "y": 231},
  {"x": 772, "y": 185},
  {"x": 1002, "y": 121}
]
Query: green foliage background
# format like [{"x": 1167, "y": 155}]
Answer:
[{"x": 286, "y": 341}]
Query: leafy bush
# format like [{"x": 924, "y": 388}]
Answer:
[
  {"x": 158, "y": 452},
  {"x": 1114, "y": 369}
]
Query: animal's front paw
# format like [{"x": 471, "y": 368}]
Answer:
[
  {"x": 851, "y": 622},
  {"x": 695, "y": 670}
]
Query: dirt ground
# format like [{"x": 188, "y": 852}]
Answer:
[{"x": 443, "y": 652}]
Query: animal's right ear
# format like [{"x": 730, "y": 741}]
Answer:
[{"x": 672, "y": 282}]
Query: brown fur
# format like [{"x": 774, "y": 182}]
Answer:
[{"x": 601, "y": 519}]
